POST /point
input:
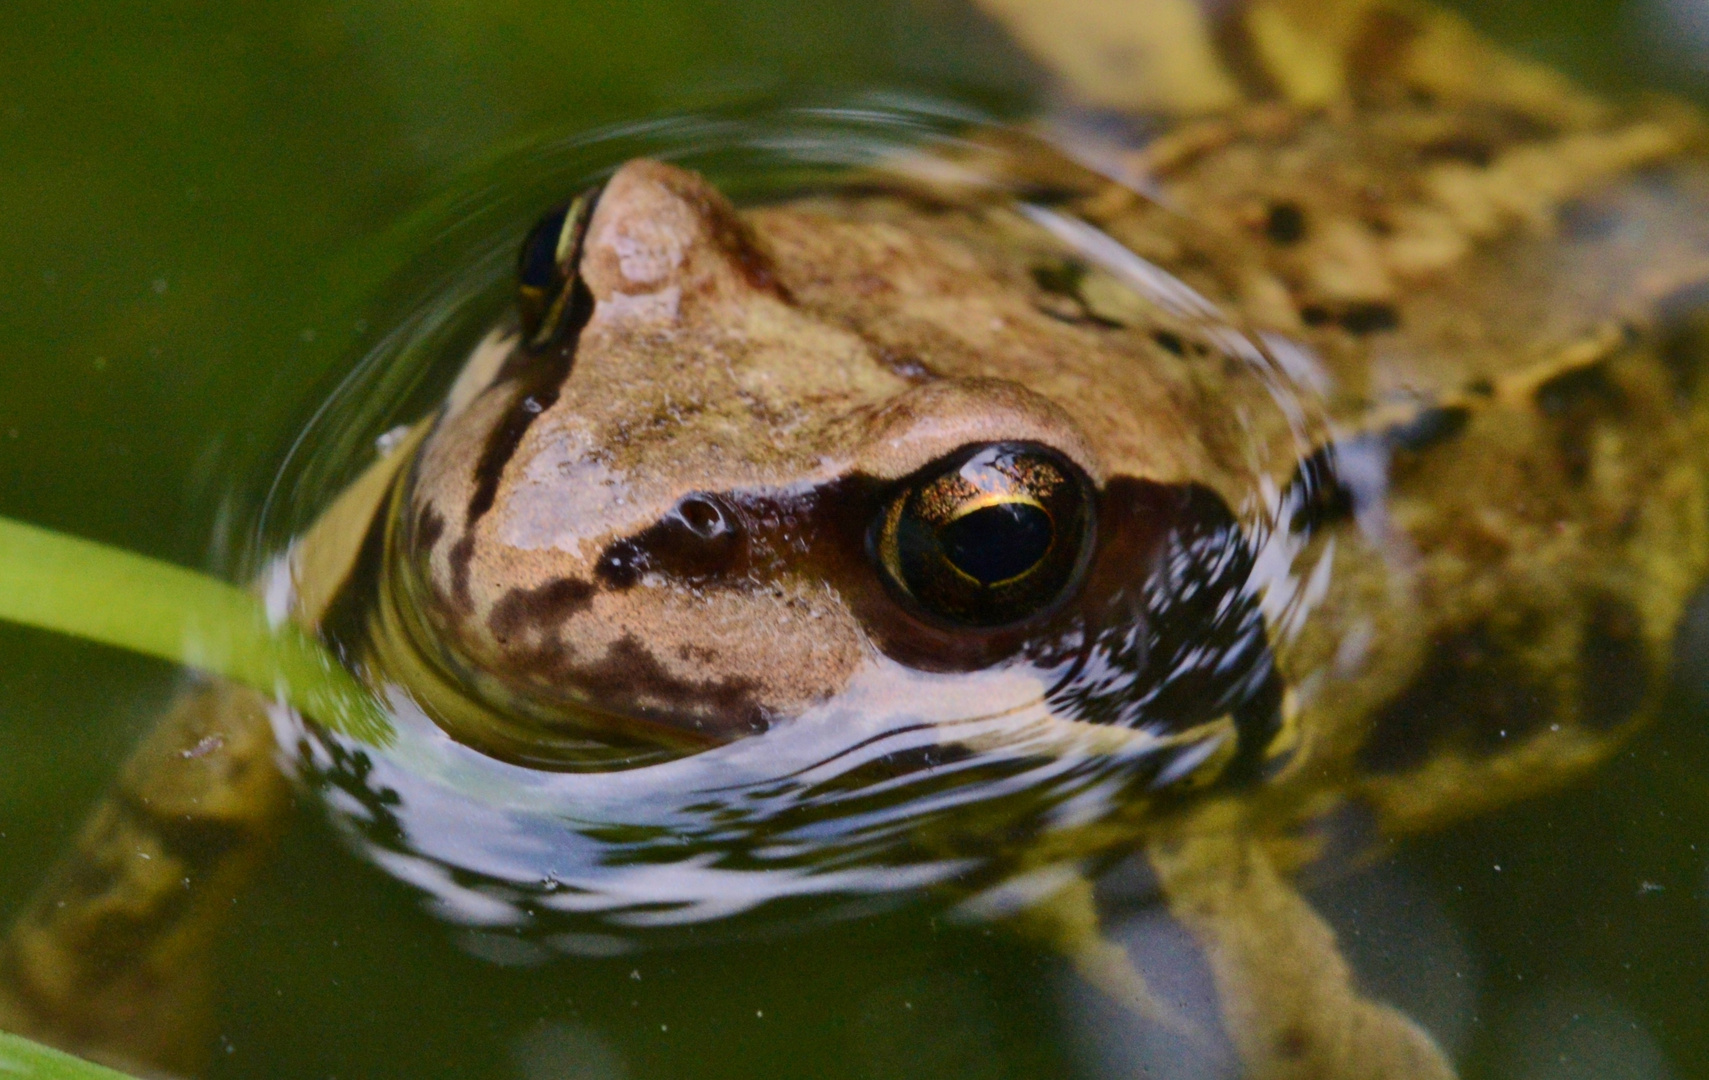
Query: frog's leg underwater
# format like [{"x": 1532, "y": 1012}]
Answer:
[
  {"x": 109, "y": 957},
  {"x": 113, "y": 956},
  {"x": 1288, "y": 998}
]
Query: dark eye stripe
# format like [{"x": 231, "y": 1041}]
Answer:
[{"x": 540, "y": 375}]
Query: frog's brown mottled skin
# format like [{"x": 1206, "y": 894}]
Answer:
[
  {"x": 1483, "y": 277},
  {"x": 698, "y": 378}
]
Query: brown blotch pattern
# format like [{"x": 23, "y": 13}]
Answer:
[
  {"x": 543, "y": 608},
  {"x": 1471, "y": 694},
  {"x": 1576, "y": 401}
]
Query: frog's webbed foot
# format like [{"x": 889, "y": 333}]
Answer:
[
  {"x": 1287, "y": 996},
  {"x": 111, "y": 957}
]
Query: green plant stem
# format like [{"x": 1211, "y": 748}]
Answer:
[
  {"x": 24, "y": 1060},
  {"x": 74, "y": 586}
]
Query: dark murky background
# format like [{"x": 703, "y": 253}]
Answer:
[{"x": 198, "y": 208}]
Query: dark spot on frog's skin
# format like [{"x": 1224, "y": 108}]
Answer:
[
  {"x": 429, "y": 527},
  {"x": 1285, "y": 224},
  {"x": 1613, "y": 666},
  {"x": 1683, "y": 337},
  {"x": 1061, "y": 278},
  {"x": 1170, "y": 341},
  {"x": 1575, "y": 400},
  {"x": 1483, "y": 388},
  {"x": 1359, "y": 318},
  {"x": 1576, "y": 387},
  {"x": 543, "y": 608},
  {"x": 460, "y": 555},
  {"x": 1047, "y": 194},
  {"x": 620, "y": 565},
  {"x": 1292, "y": 1044},
  {"x": 698, "y": 654},
  {"x": 1060, "y": 283},
  {"x": 1465, "y": 148},
  {"x": 1369, "y": 317},
  {"x": 1471, "y": 695}
]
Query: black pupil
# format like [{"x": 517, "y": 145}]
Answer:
[
  {"x": 999, "y": 542},
  {"x": 538, "y": 266}
]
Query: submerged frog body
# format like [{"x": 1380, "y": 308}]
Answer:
[{"x": 1343, "y": 451}]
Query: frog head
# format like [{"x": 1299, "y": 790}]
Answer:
[{"x": 698, "y": 500}]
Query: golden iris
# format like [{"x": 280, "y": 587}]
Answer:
[{"x": 988, "y": 536}]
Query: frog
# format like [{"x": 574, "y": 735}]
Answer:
[{"x": 1331, "y": 445}]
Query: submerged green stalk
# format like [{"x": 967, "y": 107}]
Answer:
[
  {"x": 25, "y": 1060},
  {"x": 74, "y": 586}
]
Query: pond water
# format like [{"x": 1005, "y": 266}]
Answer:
[{"x": 213, "y": 216}]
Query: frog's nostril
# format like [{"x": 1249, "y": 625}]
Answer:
[{"x": 704, "y": 517}]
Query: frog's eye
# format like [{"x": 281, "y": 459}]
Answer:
[
  {"x": 546, "y": 268},
  {"x": 988, "y": 536}
]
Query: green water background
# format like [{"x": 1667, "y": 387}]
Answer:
[{"x": 195, "y": 201}]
